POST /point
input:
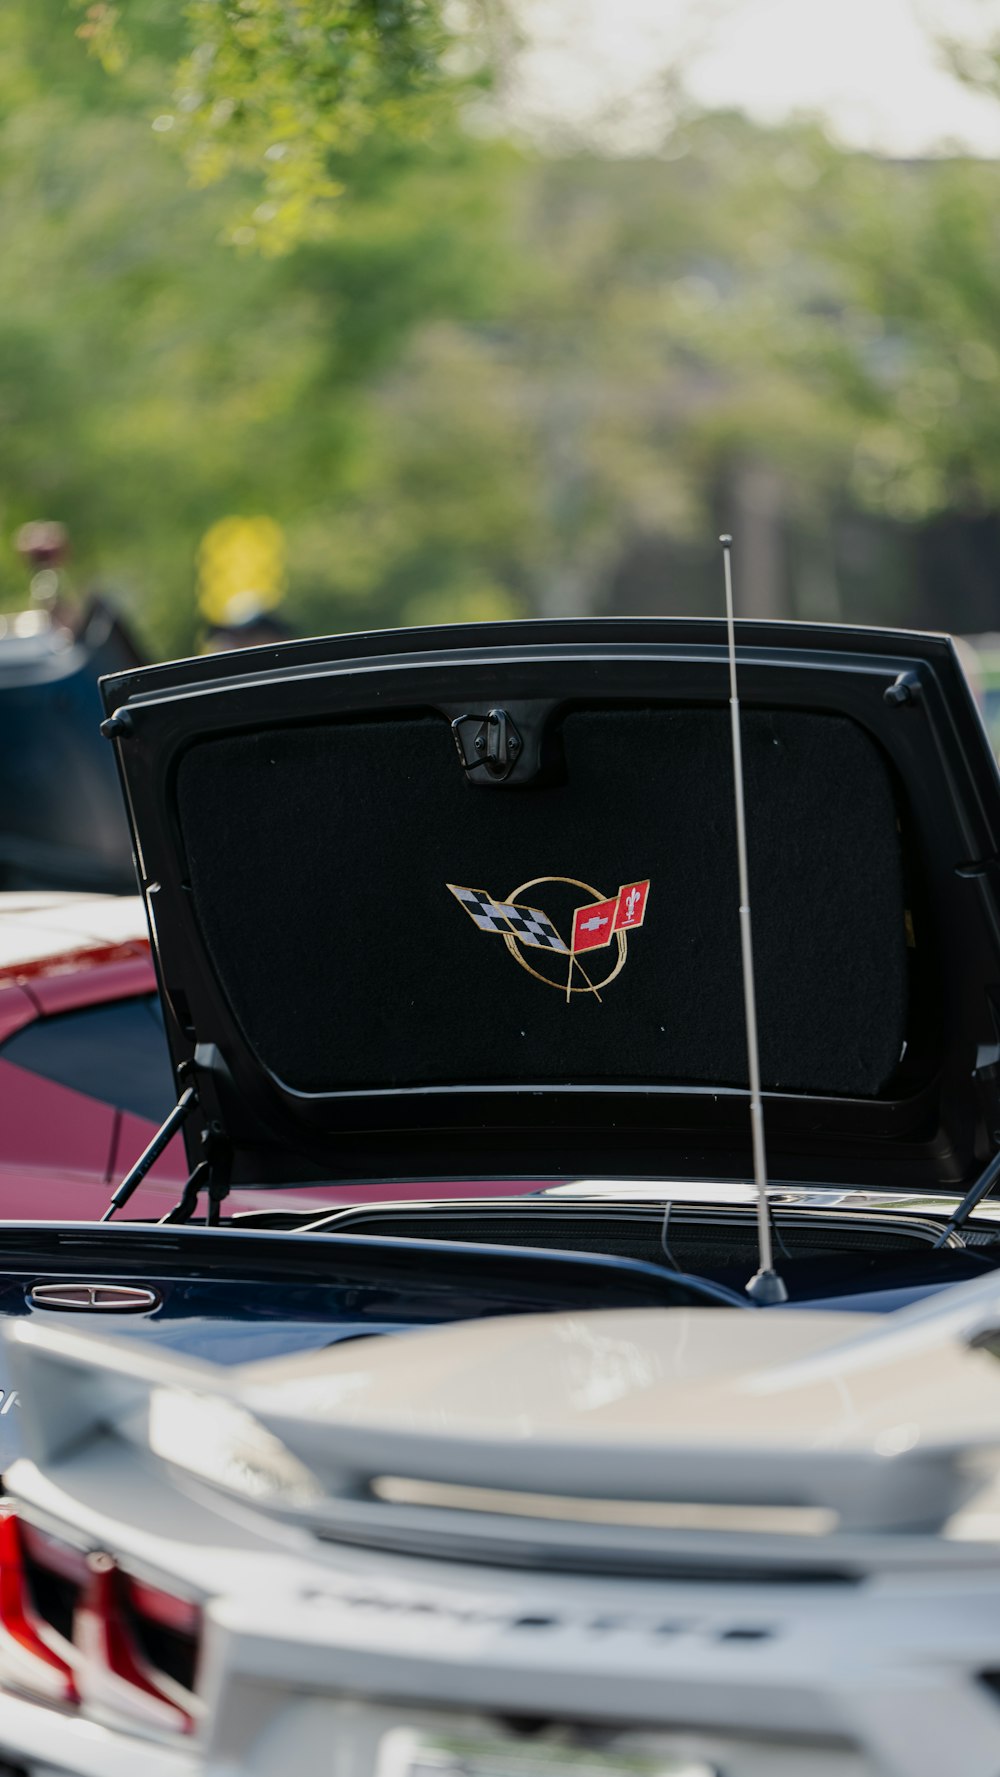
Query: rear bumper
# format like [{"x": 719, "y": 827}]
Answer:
[
  {"x": 761, "y": 1681},
  {"x": 45, "y": 1743}
]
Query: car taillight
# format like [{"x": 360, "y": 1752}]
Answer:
[
  {"x": 36, "y": 1654},
  {"x": 76, "y": 1629},
  {"x": 168, "y": 1629},
  {"x": 117, "y": 1670}
]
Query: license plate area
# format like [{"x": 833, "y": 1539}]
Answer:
[{"x": 562, "y": 1752}]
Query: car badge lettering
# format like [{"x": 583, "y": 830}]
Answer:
[{"x": 598, "y": 921}]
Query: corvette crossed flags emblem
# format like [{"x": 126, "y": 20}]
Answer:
[{"x": 596, "y": 923}]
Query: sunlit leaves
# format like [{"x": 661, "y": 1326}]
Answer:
[
  {"x": 909, "y": 345},
  {"x": 289, "y": 91},
  {"x": 151, "y": 379}
]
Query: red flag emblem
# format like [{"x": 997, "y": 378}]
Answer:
[
  {"x": 593, "y": 925},
  {"x": 630, "y": 910}
]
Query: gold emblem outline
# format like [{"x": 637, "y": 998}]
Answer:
[{"x": 593, "y": 987}]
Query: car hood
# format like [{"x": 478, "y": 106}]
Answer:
[
  {"x": 465, "y": 901},
  {"x": 43, "y": 932}
]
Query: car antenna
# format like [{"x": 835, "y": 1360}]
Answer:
[{"x": 765, "y": 1287}]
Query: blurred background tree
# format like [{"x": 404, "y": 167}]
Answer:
[
  {"x": 469, "y": 378},
  {"x": 154, "y": 377},
  {"x": 290, "y": 94}
]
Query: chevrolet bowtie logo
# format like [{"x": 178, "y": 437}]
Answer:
[{"x": 524, "y": 926}]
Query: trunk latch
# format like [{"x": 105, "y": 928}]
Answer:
[{"x": 489, "y": 743}]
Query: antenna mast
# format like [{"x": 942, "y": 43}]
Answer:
[{"x": 765, "y": 1286}]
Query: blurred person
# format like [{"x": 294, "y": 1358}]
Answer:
[
  {"x": 43, "y": 545},
  {"x": 249, "y": 622},
  {"x": 54, "y": 603}
]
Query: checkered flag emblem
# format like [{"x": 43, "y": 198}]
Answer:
[{"x": 527, "y": 924}]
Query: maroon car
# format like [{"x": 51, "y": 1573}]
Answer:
[{"x": 85, "y": 1077}]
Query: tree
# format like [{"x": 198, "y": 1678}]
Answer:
[
  {"x": 479, "y": 381},
  {"x": 153, "y": 379},
  {"x": 289, "y": 92}
]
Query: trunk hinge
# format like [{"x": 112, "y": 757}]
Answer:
[
  {"x": 212, "y": 1173},
  {"x": 134, "y": 1177}
]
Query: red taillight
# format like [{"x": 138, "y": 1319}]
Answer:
[
  {"x": 164, "y": 1609},
  {"x": 114, "y": 1671},
  {"x": 33, "y": 1659},
  {"x": 75, "y": 1629},
  {"x": 52, "y": 1556}
]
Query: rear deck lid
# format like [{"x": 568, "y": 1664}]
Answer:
[{"x": 463, "y": 902}]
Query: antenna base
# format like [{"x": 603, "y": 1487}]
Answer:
[{"x": 766, "y": 1288}]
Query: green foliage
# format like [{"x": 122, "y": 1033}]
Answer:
[
  {"x": 289, "y": 92},
  {"x": 153, "y": 379},
  {"x": 913, "y": 352},
  {"x": 477, "y": 381},
  {"x": 861, "y": 333}
]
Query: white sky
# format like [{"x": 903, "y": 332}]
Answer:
[{"x": 870, "y": 66}]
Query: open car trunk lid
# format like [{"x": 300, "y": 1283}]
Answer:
[{"x": 464, "y": 901}]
